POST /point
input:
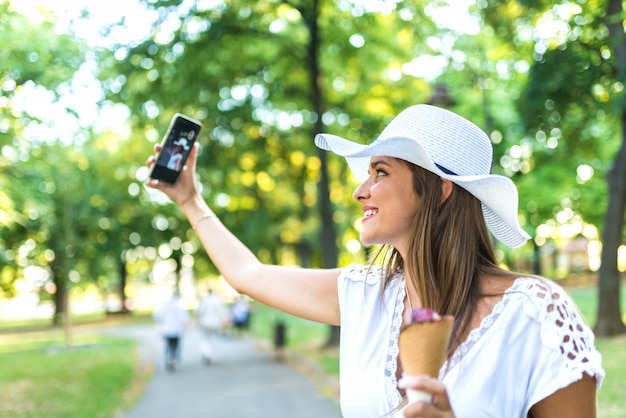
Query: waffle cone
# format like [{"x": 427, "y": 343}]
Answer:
[{"x": 423, "y": 346}]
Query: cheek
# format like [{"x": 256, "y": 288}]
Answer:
[{"x": 410, "y": 211}]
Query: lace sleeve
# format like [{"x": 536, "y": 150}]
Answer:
[{"x": 563, "y": 329}]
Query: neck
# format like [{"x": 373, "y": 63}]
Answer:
[{"x": 410, "y": 299}]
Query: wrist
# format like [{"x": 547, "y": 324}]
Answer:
[
  {"x": 189, "y": 200},
  {"x": 196, "y": 210}
]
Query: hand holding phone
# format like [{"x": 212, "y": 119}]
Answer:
[{"x": 178, "y": 140}]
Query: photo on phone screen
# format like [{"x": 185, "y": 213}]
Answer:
[{"x": 177, "y": 142}]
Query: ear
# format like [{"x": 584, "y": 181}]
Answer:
[{"x": 446, "y": 189}]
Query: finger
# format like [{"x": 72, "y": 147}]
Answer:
[
  {"x": 437, "y": 389},
  {"x": 423, "y": 410},
  {"x": 154, "y": 184},
  {"x": 442, "y": 401},
  {"x": 193, "y": 158},
  {"x": 408, "y": 381}
]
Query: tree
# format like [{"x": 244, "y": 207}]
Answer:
[
  {"x": 584, "y": 102},
  {"x": 32, "y": 58},
  {"x": 66, "y": 204},
  {"x": 609, "y": 310}
]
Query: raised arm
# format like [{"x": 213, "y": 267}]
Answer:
[{"x": 308, "y": 293}]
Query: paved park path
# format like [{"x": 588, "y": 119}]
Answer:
[{"x": 244, "y": 381}]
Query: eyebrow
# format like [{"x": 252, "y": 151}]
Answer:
[{"x": 375, "y": 163}]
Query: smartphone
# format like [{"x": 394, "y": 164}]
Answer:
[{"x": 177, "y": 142}]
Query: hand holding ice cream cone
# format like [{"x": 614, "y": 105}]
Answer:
[{"x": 423, "y": 345}]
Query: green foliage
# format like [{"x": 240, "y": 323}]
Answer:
[
  {"x": 34, "y": 52},
  {"x": 67, "y": 205},
  {"x": 32, "y": 56},
  {"x": 247, "y": 74},
  {"x": 569, "y": 100}
]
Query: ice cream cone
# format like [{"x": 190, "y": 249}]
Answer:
[{"x": 423, "y": 347}]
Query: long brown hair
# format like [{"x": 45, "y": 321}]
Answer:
[{"x": 449, "y": 251}]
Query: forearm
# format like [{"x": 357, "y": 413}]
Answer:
[{"x": 231, "y": 257}]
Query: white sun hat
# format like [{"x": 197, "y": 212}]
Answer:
[{"x": 451, "y": 147}]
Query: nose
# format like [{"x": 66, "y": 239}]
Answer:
[{"x": 362, "y": 192}]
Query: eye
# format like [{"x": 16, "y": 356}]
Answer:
[{"x": 379, "y": 172}]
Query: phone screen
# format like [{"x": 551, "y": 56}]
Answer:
[{"x": 177, "y": 142}]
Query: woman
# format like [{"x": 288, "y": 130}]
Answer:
[{"x": 519, "y": 347}]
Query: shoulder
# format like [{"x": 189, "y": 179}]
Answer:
[
  {"x": 368, "y": 274},
  {"x": 362, "y": 273},
  {"x": 367, "y": 285},
  {"x": 550, "y": 310},
  {"x": 544, "y": 301}
]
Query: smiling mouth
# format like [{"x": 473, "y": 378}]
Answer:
[{"x": 370, "y": 212}]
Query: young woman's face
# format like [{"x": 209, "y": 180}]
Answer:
[{"x": 389, "y": 203}]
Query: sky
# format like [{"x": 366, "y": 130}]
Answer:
[{"x": 137, "y": 19}]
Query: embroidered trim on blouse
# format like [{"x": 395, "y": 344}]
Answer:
[
  {"x": 370, "y": 274},
  {"x": 561, "y": 325},
  {"x": 373, "y": 274},
  {"x": 391, "y": 382}
]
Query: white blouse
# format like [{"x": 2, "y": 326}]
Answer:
[{"x": 532, "y": 344}]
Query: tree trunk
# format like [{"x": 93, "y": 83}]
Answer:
[
  {"x": 178, "y": 257},
  {"x": 59, "y": 278},
  {"x": 536, "y": 259},
  {"x": 609, "y": 306},
  {"x": 609, "y": 309},
  {"x": 59, "y": 295},
  {"x": 122, "y": 284},
  {"x": 328, "y": 234},
  {"x": 67, "y": 318}
]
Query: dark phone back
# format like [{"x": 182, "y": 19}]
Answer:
[{"x": 177, "y": 142}]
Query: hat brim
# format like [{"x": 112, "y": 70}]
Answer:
[
  {"x": 179, "y": 143},
  {"x": 497, "y": 194}
]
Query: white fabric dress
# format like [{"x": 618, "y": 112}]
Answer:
[{"x": 533, "y": 343}]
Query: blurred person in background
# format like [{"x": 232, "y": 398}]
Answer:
[
  {"x": 173, "y": 320},
  {"x": 213, "y": 317}
]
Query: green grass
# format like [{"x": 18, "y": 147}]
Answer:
[
  {"x": 94, "y": 377},
  {"x": 587, "y": 301},
  {"x": 78, "y": 321},
  {"x": 301, "y": 334},
  {"x": 611, "y": 394}
]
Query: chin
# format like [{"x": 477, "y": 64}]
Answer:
[{"x": 369, "y": 240}]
